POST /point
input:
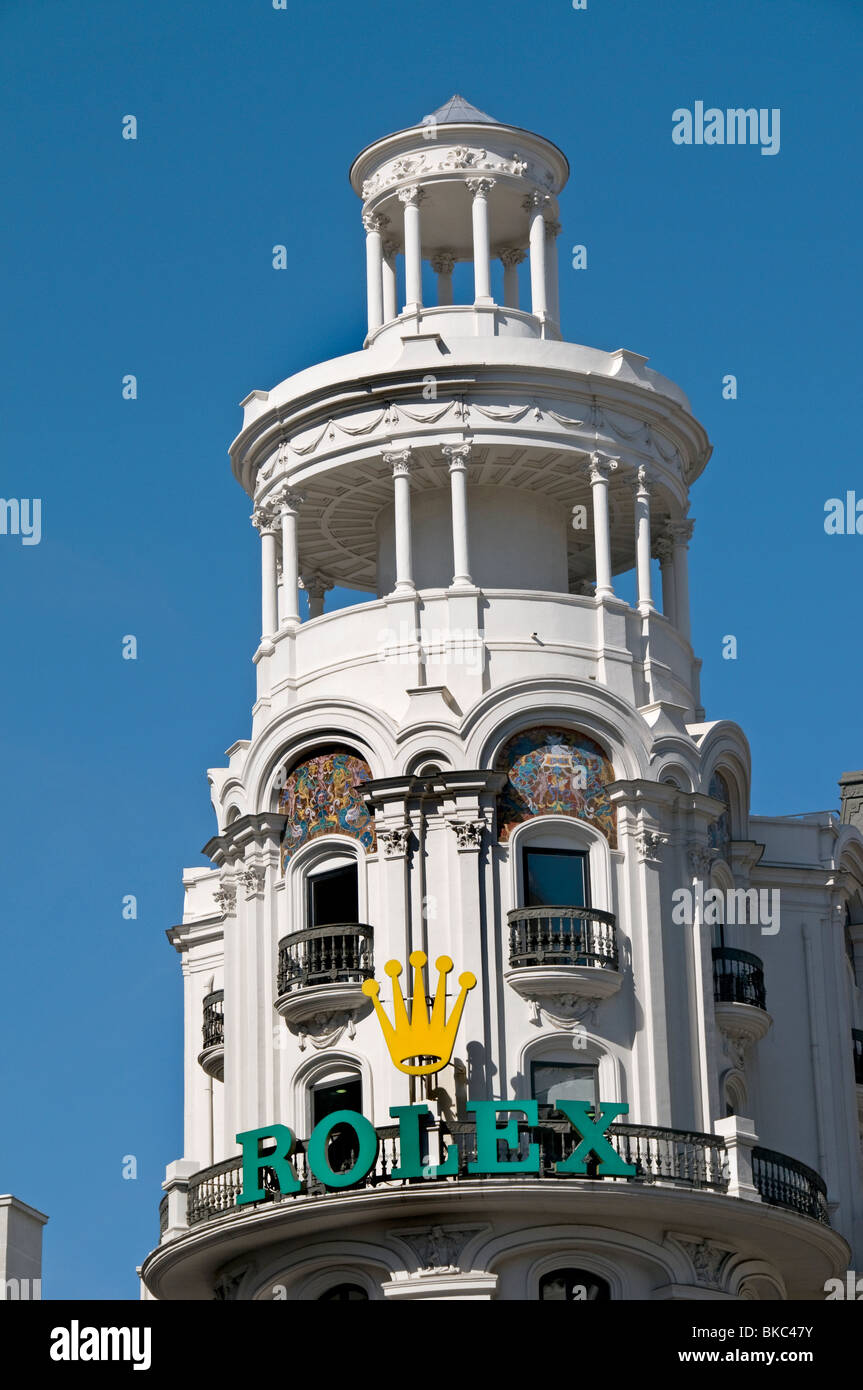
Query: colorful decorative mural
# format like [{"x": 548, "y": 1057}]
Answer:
[
  {"x": 719, "y": 833},
  {"x": 322, "y": 796},
  {"x": 552, "y": 771}
]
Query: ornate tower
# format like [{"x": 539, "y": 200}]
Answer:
[{"x": 497, "y": 763}]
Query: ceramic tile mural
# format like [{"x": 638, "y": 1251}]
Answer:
[
  {"x": 719, "y": 833},
  {"x": 322, "y": 796},
  {"x": 554, "y": 771}
]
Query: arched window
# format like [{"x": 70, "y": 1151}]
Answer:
[
  {"x": 340, "y": 1092},
  {"x": 719, "y": 833},
  {"x": 573, "y": 1286},
  {"x": 344, "y": 1293}
]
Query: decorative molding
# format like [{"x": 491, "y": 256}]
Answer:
[
  {"x": 253, "y": 880},
  {"x": 650, "y": 844},
  {"x": 479, "y": 188},
  {"x": 468, "y": 833},
  {"x": 395, "y": 840},
  {"x": 437, "y": 1248},
  {"x": 569, "y": 1013},
  {"x": 323, "y": 1030},
  {"x": 700, "y": 859},
  {"x": 226, "y": 897},
  {"x": 707, "y": 1261}
]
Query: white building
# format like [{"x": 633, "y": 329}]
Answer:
[{"x": 498, "y": 760}]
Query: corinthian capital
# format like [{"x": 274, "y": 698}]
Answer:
[
  {"x": 511, "y": 256},
  {"x": 553, "y": 229},
  {"x": 375, "y": 221},
  {"x": 458, "y": 456},
  {"x": 601, "y": 466},
  {"x": 535, "y": 200},
  {"x": 682, "y": 531},
  {"x": 480, "y": 188},
  {"x": 290, "y": 500},
  {"x": 399, "y": 460},
  {"x": 442, "y": 262},
  {"x": 412, "y": 195},
  {"x": 663, "y": 549},
  {"x": 265, "y": 517}
]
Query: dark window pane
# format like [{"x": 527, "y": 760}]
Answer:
[
  {"x": 342, "y": 1150},
  {"x": 574, "y": 1286},
  {"x": 554, "y": 877},
  {"x": 551, "y": 1081},
  {"x": 333, "y": 897},
  {"x": 345, "y": 1293}
]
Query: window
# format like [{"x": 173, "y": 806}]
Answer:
[
  {"x": 333, "y": 896},
  {"x": 553, "y": 1081},
  {"x": 555, "y": 878},
  {"x": 345, "y": 1293},
  {"x": 342, "y": 1093},
  {"x": 573, "y": 1286}
]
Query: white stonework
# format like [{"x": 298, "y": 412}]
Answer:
[{"x": 485, "y": 481}]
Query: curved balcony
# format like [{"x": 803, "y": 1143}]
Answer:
[
  {"x": 321, "y": 970},
  {"x": 785, "y": 1182},
  {"x": 212, "y": 1058},
  {"x": 740, "y": 1000},
  {"x": 557, "y": 951}
]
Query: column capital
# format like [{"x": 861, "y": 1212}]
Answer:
[
  {"x": 642, "y": 489},
  {"x": 600, "y": 466},
  {"x": 289, "y": 500},
  {"x": 681, "y": 531},
  {"x": 315, "y": 584},
  {"x": 400, "y": 459},
  {"x": 375, "y": 221},
  {"x": 479, "y": 188},
  {"x": 663, "y": 549},
  {"x": 511, "y": 256},
  {"x": 390, "y": 248},
  {"x": 458, "y": 456},
  {"x": 265, "y": 517},
  {"x": 533, "y": 202},
  {"x": 413, "y": 195},
  {"x": 442, "y": 262},
  {"x": 552, "y": 228}
]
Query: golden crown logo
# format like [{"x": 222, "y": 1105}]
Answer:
[{"x": 424, "y": 1043}]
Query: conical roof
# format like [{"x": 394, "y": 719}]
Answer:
[{"x": 457, "y": 111}]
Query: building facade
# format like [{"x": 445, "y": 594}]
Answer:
[{"x": 495, "y": 777}]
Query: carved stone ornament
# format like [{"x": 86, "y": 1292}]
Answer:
[
  {"x": 253, "y": 880},
  {"x": 567, "y": 1012},
  {"x": 226, "y": 898},
  {"x": 395, "y": 840},
  {"x": 736, "y": 1046},
  {"x": 437, "y": 1248},
  {"x": 324, "y": 1029},
  {"x": 707, "y": 1261},
  {"x": 468, "y": 833},
  {"x": 650, "y": 845},
  {"x": 700, "y": 859}
]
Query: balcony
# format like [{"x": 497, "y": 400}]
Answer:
[
  {"x": 740, "y": 1000},
  {"x": 563, "y": 951},
  {"x": 212, "y": 1058},
  {"x": 857, "y": 1044},
  {"x": 321, "y": 970}
]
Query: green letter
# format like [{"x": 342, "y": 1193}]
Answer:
[
  {"x": 488, "y": 1135},
  {"x": 317, "y": 1148},
  {"x": 580, "y": 1113},
  {"x": 278, "y": 1158},
  {"x": 410, "y": 1164}
]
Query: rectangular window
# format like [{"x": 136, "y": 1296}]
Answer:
[
  {"x": 553, "y": 1081},
  {"x": 333, "y": 897},
  {"x": 555, "y": 878}
]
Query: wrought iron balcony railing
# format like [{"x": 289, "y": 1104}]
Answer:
[
  {"x": 562, "y": 936},
  {"x": 857, "y": 1044},
  {"x": 336, "y": 954},
  {"x": 738, "y": 978},
  {"x": 785, "y": 1182},
  {"x": 214, "y": 1019}
]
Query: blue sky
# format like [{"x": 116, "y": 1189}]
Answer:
[{"x": 154, "y": 257}]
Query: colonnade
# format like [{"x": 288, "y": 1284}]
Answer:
[
  {"x": 276, "y": 519},
  {"x": 381, "y": 255}
]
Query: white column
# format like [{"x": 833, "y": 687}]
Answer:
[
  {"x": 290, "y": 507},
  {"x": 681, "y": 534},
  {"x": 479, "y": 190},
  {"x": 600, "y": 468},
  {"x": 511, "y": 259},
  {"x": 374, "y": 224},
  {"x": 642, "y": 543},
  {"x": 265, "y": 521},
  {"x": 401, "y": 466},
  {"x": 534, "y": 204},
  {"x": 664, "y": 551},
  {"x": 552, "y": 230},
  {"x": 315, "y": 586},
  {"x": 412, "y": 197},
  {"x": 442, "y": 263},
  {"x": 391, "y": 305},
  {"x": 459, "y": 457}
]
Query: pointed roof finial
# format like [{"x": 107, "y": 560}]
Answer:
[{"x": 457, "y": 111}]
